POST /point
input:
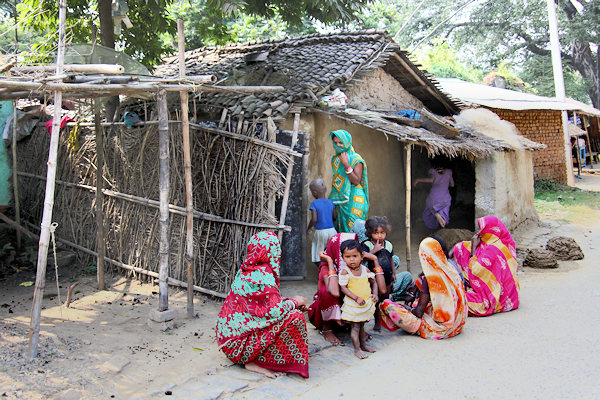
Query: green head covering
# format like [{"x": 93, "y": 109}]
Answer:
[{"x": 346, "y": 139}]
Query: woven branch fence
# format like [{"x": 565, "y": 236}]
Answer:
[{"x": 232, "y": 179}]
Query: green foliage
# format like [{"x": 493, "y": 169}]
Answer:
[
  {"x": 7, "y": 248},
  {"x": 441, "y": 60},
  {"x": 490, "y": 33},
  {"x": 30, "y": 255},
  {"x": 92, "y": 267},
  {"x": 143, "y": 42}
]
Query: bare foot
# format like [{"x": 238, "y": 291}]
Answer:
[
  {"x": 331, "y": 338},
  {"x": 367, "y": 348},
  {"x": 360, "y": 354},
  {"x": 377, "y": 327},
  {"x": 279, "y": 373},
  {"x": 440, "y": 220},
  {"x": 255, "y": 368}
]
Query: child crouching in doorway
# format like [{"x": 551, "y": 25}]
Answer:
[
  {"x": 323, "y": 213},
  {"x": 359, "y": 287}
]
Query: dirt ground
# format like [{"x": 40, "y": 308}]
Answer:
[{"x": 102, "y": 346}]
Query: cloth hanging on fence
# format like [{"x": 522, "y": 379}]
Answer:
[{"x": 63, "y": 123}]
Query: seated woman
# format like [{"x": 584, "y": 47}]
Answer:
[
  {"x": 256, "y": 326},
  {"x": 489, "y": 266},
  {"x": 441, "y": 310},
  {"x": 325, "y": 313}
]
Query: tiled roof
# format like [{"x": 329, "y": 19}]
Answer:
[{"x": 307, "y": 67}]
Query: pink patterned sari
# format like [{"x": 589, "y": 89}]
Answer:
[{"x": 490, "y": 273}]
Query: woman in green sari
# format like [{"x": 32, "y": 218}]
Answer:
[{"x": 349, "y": 187}]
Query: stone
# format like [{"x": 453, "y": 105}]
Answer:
[
  {"x": 274, "y": 391},
  {"x": 298, "y": 385},
  {"x": 162, "y": 316},
  {"x": 540, "y": 258},
  {"x": 243, "y": 374},
  {"x": 197, "y": 391},
  {"x": 115, "y": 364},
  {"x": 223, "y": 382},
  {"x": 564, "y": 248}
]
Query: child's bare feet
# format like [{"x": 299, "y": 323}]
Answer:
[
  {"x": 377, "y": 327},
  {"x": 331, "y": 338},
  {"x": 360, "y": 354},
  {"x": 367, "y": 348},
  {"x": 268, "y": 373}
]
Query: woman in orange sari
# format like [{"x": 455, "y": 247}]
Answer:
[{"x": 441, "y": 309}]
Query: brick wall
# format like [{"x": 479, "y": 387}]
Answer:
[{"x": 542, "y": 126}]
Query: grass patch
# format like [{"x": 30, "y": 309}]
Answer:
[{"x": 559, "y": 201}]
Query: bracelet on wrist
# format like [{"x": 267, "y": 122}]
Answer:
[{"x": 348, "y": 170}]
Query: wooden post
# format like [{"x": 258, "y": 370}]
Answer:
[
  {"x": 577, "y": 146},
  {"x": 40, "y": 279},
  {"x": 288, "y": 175},
  {"x": 587, "y": 136},
  {"x": 15, "y": 177},
  {"x": 408, "y": 183},
  {"x": 305, "y": 199},
  {"x": 99, "y": 197},
  {"x": 187, "y": 167},
  {"x": 163, "y": 179}
]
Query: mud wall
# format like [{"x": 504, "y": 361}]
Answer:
[
  {"x": 504, "y": 187},
  {"x": 380, "y": 91}
]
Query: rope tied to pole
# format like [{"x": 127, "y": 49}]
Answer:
[{"x": 53, "y": 227}]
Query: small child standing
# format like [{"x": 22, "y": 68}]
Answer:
[
  {"x": 360, "y": 295},
  {"x": 322, "y": 215},
  {"x": 377, "y": 229}
]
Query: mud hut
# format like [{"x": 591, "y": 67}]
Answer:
[{"x": 380, "y": 80}]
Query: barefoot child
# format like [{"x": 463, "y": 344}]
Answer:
[
  {"x": 377, "y": 229},
  {"x": 360, "y": 291},
  {"x": 322, "y": 215}
]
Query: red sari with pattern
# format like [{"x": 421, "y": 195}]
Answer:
[
  {"x": 325, "y": 306},
  {"x": 256, "y": 324}
]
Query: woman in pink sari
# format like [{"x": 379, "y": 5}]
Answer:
[{"x": 489, "y": 265}]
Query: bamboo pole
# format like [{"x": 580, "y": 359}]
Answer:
[
  {"x": 163, "y": 162},
  {"x": 171, "y": 281},
  {"x": 408, "y": 184},
  {"x": 40, "y": 279},
  {"x": 269, "y": 145},
  {"x": 15, "y": 175},
  {"x": 305, "y": 200},
  {"x": 134, "y": 88},
  {"x": 156, "y": 204},
  {"x": 288, "y": 175},
  {"x": 98, "y": 68},
  {"x": 187, "y": 167},
  {"x": 577, "y": 147},
  {"x": 99, "y": 198},
  {"x": 589, "y": 144}
]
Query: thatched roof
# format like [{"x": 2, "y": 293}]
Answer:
[
  {"x": 468, "y": 143},
  {"x": 307, "y": 67}
]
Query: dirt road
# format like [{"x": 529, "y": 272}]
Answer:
[{"x": 547, "y": 349}]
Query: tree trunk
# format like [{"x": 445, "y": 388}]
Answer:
[
  {"x": 107, "y": 39},
  {"x": 107, "y": 33},
  {"x": 583, "y": 61}
]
